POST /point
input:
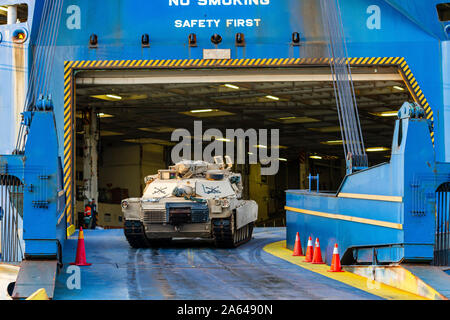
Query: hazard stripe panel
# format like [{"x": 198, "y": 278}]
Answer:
[{"x": 70, "y": 66}]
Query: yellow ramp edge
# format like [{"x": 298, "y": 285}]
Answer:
[
  {"x": 382, "y": 290},
  {"x": 398, "y": 277},
  {"x": 40, "y": 294}
]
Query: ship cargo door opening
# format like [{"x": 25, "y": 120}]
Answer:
[{"x": 136, "y": 111}]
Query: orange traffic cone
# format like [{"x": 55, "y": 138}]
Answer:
[
  {"x": 317, "y": 257},
  {"x": 297, "y": 247},
  {"x": 309, "y": 251},
  {"x": 336, "y": 261},
  {"x": 80, "y": 259}
]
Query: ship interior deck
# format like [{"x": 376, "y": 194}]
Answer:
[{"x": 138, "y": 111}]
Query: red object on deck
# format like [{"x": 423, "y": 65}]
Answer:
[
  {"x": 336, "y": 261},
  {"x": 309, "y": 251},
  {"x": 297, "y": 247},
  {"x": 80, "y": 259},
  {"x": 317, "y": 257}
]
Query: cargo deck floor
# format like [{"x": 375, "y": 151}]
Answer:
[{"x": 191, "y": 270}]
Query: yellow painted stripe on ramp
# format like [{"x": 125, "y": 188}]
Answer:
[
  {"x": 399, "y": 277},
  {"x": 278, "y": 249},
  {"x": 370, "y": 197},
  {"x": 379, "y": 223}
]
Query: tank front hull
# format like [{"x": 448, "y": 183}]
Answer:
[{"x": 191, "y": 230}]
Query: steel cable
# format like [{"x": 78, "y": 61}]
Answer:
[{"x": 352, "y": 138}]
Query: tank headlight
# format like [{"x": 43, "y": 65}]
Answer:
[
  {"x": 225, "y": 203},
  {"x": 124, "y": 204}
]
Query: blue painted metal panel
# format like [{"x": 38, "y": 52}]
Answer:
[
  {"x": 424, "y": 17},
  {"x": 445, "y": 47},
  {"x": 44, "y": 223},
  {"x": 41, "y": 248},
  {"x": 331, "y": 231},
  {"x": 41, "y": 200}
]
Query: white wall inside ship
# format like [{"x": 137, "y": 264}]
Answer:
[{"x": 122, "y": 167}]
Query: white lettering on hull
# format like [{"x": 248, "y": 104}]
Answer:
[
  {"x": 215, "y": 23},
  {"x": 176, "y": 3}
]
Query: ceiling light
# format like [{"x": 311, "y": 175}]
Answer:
[
  {"x": 205, "y": 113},
  {"x": 223, "y": 140},
  {"x": 386, "y": 114},
  {"x": 273, "y": 98},
  {"x": 316, "y": 157},
  {"x": 123, "y": 97},
  {"x": 104, "y": 115},
  {"x": 377, "y": 149},
  {"x": 202, "y": 111},
  {"x": 260, "y": 146},
  {"x": 4, "y": 9},
  {"x": 332, "y": 142},
  {"x": 231, "y": 86},
  {"x": 282, "y": 159},
  {"x": 287, "y": 118},
  {"x": 399, "y": 88},
  {"x": 113, "y": 96}
]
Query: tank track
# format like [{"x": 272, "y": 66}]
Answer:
[
  {"x": 224, "y": 236},
  {"x": 134, "y": 232}
]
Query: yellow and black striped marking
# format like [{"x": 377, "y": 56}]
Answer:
[{"x": 69, "y": 89}]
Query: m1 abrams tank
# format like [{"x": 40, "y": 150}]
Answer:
[{"x": 192, "y": 199}]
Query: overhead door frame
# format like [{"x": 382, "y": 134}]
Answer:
[{"x": 70, "y": 68}]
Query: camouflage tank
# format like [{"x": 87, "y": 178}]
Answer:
[{"x": 192, "y": 199}]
